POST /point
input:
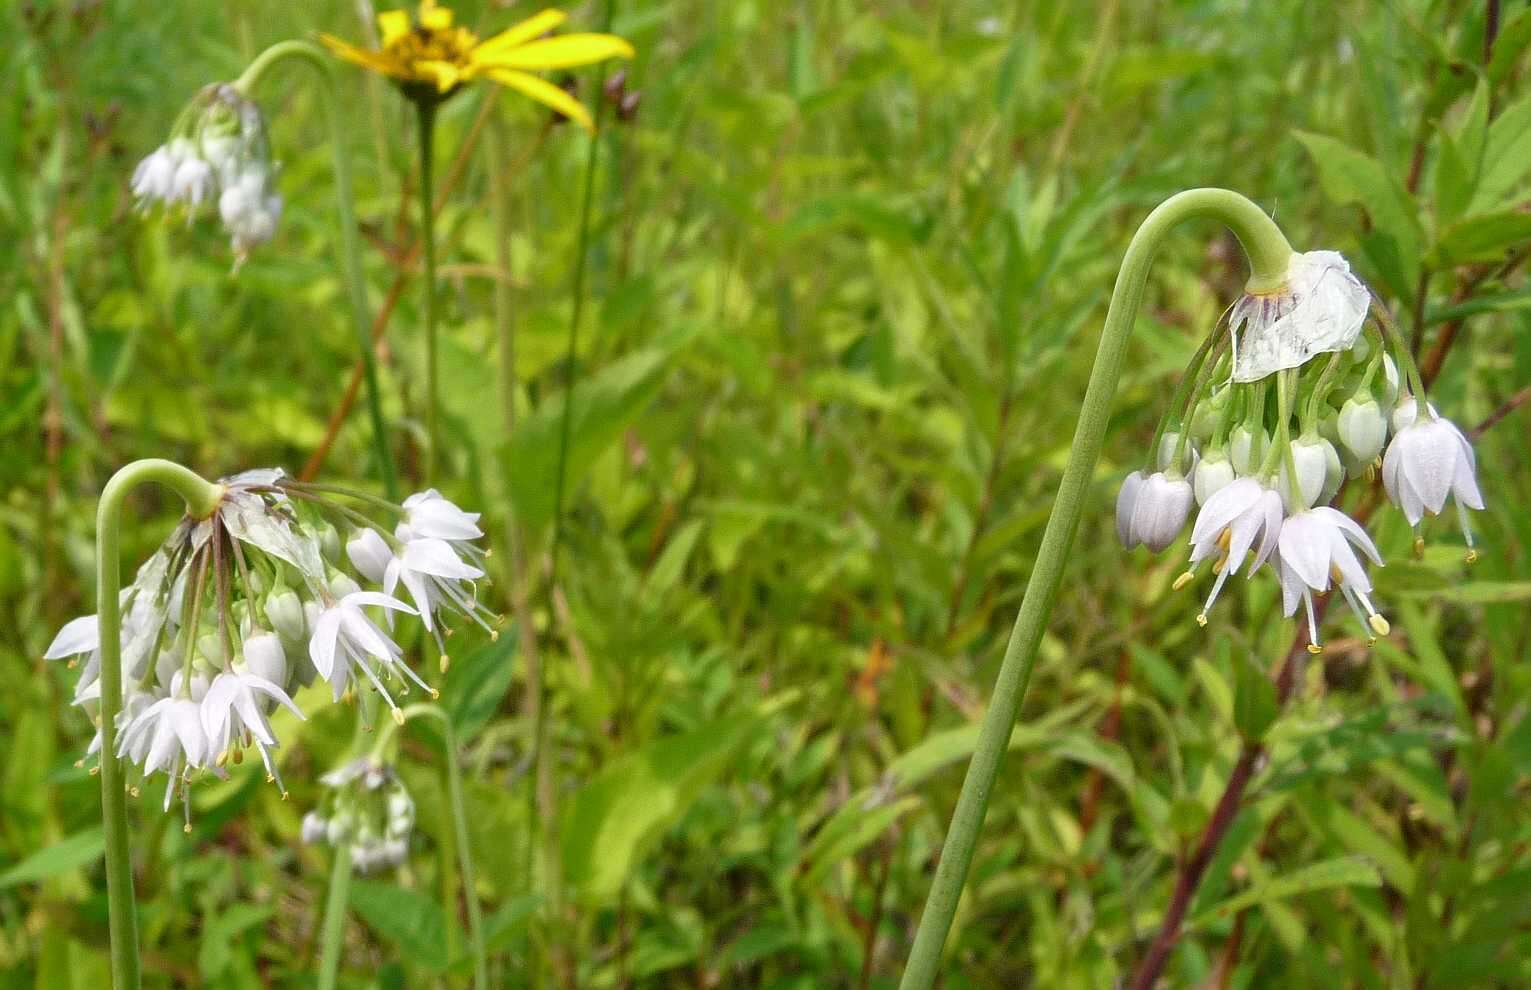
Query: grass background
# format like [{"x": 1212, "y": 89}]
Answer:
[{"x": 846, "y": 273}]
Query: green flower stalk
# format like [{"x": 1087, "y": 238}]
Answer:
[
  {"x": 1270, "y": 257},
  {"x": 350, "y": 243}
]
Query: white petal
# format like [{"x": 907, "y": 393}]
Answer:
[
  {"x": 321, "y": 646},
  {"x": 78, "y": 636},
  {"x": 376, "y": 598},
  {"x": 1304, "y": 544},
  {"x": 435, "y": 556},
  {"x": 1126, "y": 501}
]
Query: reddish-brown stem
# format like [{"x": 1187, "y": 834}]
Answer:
[
  {"x": 1510, "y": 405},
  {"x": 1188, "y": 877},
  {"x": 1110, "y": 728}
]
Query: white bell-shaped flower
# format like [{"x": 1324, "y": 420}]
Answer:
[
  {"x": 1246, "y": 448},
  {"x": 1315, "y": 551},
  {"x": 369, "y": 554},
  {"x": 1152, "y": 510},
  {"x": 1428, "y": 461},
  {"x": 1242, "y": 516},
  {"x": 344, "y": 637}
]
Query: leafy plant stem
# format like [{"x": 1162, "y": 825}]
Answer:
[
  {"x": 350, "y": 243},
  {"x": 426, "y": 112},
  {"x": 201, "y": 498},
  {"x": 1268, "y": 253}
]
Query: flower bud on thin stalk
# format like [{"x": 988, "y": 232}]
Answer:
[{"x": 240, "y": 608}]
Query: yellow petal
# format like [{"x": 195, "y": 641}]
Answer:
[
  {"x": 376, "y": 61},
  {"x": 434, "y": 18},
  {"x": 445, "y": 74},
  {"x": 393, "y": 25},
  {"x": 533, "y": 27},
  {"x": 563, "y": 52},
  {"x": 545, "y": 93}
]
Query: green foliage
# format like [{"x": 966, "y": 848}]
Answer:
[{"x": 846, "y": 273}]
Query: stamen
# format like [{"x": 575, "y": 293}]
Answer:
[
  {"x": 1467, "y": 532},
  {"x": 1180, "y": 582},
  {"x": 1314, "y": 646},
  {"x": 398, "y": 717},
  {"x": 1225, "y": 538},
  {"x": 1419, "y": 546},
  {"x": 445, "y": 662},
  {"x": 1379, "y": 624}
]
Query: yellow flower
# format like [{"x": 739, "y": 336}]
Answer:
[{"x": 430, "y": 56}]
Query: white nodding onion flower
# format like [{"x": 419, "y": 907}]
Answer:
[
  {"x": 1244, "y": 515},
  {"x": 366, "y": 808},
  {"x": 218, "y": 155},
  {"x": 344, "y": 636},
  {"x": 1315, "y": 551},
  {"x": 1279, "y": 433},
  {"x": 1429, "y": 461},
  {"x": 243, "y": 605},
  {"x": 1152, "y": 510}
]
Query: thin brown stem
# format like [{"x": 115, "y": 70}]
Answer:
[
  {"x": 1511, "y": 404},
  {"x": 1191, "y": 871},
  {"x": 879, "y": 892}
]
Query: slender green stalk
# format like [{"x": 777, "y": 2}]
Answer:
[
  {"x": 334, "y": 931},
  {"x": 427, "y": 116},
  {"x": 460, "y": 828},
  {"x": 201, "y": 498},
  {"x": 1269, "y": 254},
  {"x": 350, "y": 244}
]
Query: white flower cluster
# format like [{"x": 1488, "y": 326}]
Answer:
[
  {"x": 1273, "y": 439},
  {"x": 219, "y": 154},
  {"x": 238, "y": 610},
  {"x": 368, "y": 810}
]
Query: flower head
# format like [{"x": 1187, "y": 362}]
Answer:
[
  {"x": 344, "y": 636},
  {"x": 431, "y": 56},
  {"x": 1152, "y": 510},
  {"x": 367, "y": 809},
  {"x": 1230, "y": 524}
]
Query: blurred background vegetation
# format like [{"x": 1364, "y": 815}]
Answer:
[{"x": 846, "y": 271}]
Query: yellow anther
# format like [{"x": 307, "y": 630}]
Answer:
[
  {"x": 1471, "y": 558},
  {"x": 284, "y": 795},
  {"x": 78, "y": 764},
  {"x": 1219, "y": 564},
  {"x": 398, "y": 717},
  {"x": 270, "y": 779},
  {"x": 435, "y": 695},
  {"x": 133, "y": 791},
  {"x": 239, "y": 756},
  {"x": 186, "y": 828},
  {"x": 73, "y": 663},
  {"x": 494, "y": 635},
  {"x": 1419, "y": 548},
  {"x": 1225, "y": 538},
  {"x": 1201, "y": 619},
  {"x": 445, "y": 662},
  {"x": 489, "y": 553},
  {"x": 1335, "y": 575},
  {"x": 94, "y": 771},
  {"x": 1379, "y": 624},
  {"x": 223, "y": 758},
  {"x": 1183, "y": 580},
  {"x": 1315, "y": 649}
]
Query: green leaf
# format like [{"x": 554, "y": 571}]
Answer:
[
  {"x": 1482, "y": 592},
  {"x": 410, "y": 920},
  {"x": 80, "y": 849},
  {"x": 1506, "y": 156},
  {"x": 1254, "y": 699},
  {"x": 475, "y": 685},
  {"x": 628, "y": 805},
  {"x": 850, "y": 830},
  {"x": 1486, "y": 237},
  {"x": 1455, "y": 180},
  {"x": 604, "y": 404},
  {"x": 1351, "y": 177},
  {"x": 1345, "y": 871}
]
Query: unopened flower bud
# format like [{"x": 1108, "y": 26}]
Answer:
[
  {"x": 1311, "y": 456},
  {"x": 1168, "y": 444},
  {"x": 315, "y": 829},
  {"x": 1362, "y": 428},
  {"x": 343, "y": 584},
  {"x": 265, "y": 657},
  {"x": 285, "y": 611},
  {"x": 1213, "y": 473},
  {"x": 1246, "y": 448}
]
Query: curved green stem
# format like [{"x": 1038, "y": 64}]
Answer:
[
  {"x": 350, "y": 244},
  {"x": 1269, "y": 255},
  {"x": 460, "y": 823},
  {"x": 201, "y": 498},
  {"x": 334, "y": 930},
  {"x": 427, "y": 117}
]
